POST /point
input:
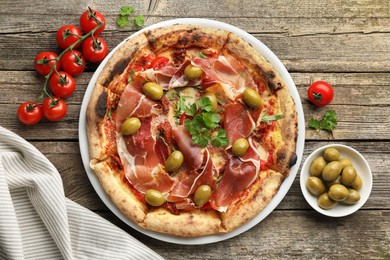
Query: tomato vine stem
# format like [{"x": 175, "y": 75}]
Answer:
[{"x": 53, "y": 67}]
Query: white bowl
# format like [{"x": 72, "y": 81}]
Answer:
[{"x": 362, "y": 168}]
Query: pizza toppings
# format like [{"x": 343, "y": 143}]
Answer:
[
  {"x": 192, "y": 72},
  {"x": 174, "y": 161},
  {"x": 252, "y": 98},
  {"x": 152, "y": 90},
  {"x": 237, "y": 122},
  {"x": 240, "y": 146},
  {"x": 202, "y": 195},
  {"x": 154, "y": 198},
  {"x": 130, "y": 126}
]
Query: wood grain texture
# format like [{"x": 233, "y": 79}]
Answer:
[{"x": 344, "y": 42}]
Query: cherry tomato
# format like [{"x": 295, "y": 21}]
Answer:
[
  {"x": 55, "y": 109},
  {"x": 159, "y": 62},
  {"x": 94, "y": 49},
  {"x": 29, "y": 113},
  {"x": 73, "y": 62},
  {"x": 90, "y": 19},
  {"x": 62, "y": 84},
  {"x": 320, "y": 93},
  {"x": 44, "y": 61},
  {"x": 67, "y": 35}
]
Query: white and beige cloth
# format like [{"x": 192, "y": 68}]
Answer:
[{"x": 37, "y": 221}]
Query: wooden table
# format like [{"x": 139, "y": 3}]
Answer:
[{"x": 346, "y": 43}]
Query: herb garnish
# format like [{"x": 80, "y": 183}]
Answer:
[
  {"x": 124, "y": 14},
  {"x": 328, "y": 121},
  {"x": 202, "y": 127},
  {"x": 268, "y": 119}
]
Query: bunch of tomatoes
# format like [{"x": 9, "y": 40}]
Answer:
[{"x": 60, "y": 69}]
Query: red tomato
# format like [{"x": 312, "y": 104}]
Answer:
[
  {"x": 73, "y": 62},
  {"x": 320, "y": 93},
  {"x": 55, "y": 109},
  {"x": 29, "y": 113},
  {"x": 94, "y": 49},
  {"x": 67, "y": 35},
  {"x": 90, "y": 19},
  {"x": 158, "y": 62},
  {"x": 62, "y": 84},
  {"x": 44, "y": 62}
]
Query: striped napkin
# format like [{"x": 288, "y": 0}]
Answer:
[{"x": 38, "y": 222}]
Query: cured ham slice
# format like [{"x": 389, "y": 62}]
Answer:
[
  {"x": 142, "y": 156},
  {"x": 192, "y": 153},
  {"x": 134, "y": 103},
  {"x": 226, "y": 70},
  {"x": 237, "y": 122},
  {"x": 238, "y": 175},
  {"x": 189, "y": 182}
]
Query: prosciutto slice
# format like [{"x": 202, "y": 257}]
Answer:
[
  {"x": 239, "y": 174},
  {"x": 237, "y": 122},
  {"x": 141, "y": 156}
]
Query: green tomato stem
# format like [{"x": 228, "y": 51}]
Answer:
[{"x": 53, "y": 68}]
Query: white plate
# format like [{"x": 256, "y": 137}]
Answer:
[
  {"x": 362, "y": 168},
  {"x": 271, "y": 57}
]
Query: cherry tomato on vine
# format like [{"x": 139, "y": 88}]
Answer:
[
  {"x": 62, "y": 84},
  {"x": 55, "y": 109},
  {"x": 73, "y": 62},
  {"x": 44, "y": 62},
  {"x": 29, "y": 113},
  {"x": 94, "y": 49},
  {"x": 320, "y": 93},
  {"x": 67, "y": 35},
  {"x": 90, "y": 19},
  {"x": 159, "y": 62}
]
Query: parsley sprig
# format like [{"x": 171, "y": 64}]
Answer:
[
  {"x": 268, "y": 119},
  {"x": 328, "y": 121},
  {"x": 124, "y": 14},
  {"x": 204, "y": 126}
]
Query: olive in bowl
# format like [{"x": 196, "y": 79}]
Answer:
[{"x": 340, "y": 198}]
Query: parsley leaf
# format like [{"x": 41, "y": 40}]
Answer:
[
  {"x": 328, "y": 121},
  {"x": 179, "y": 107},
  {"x": 130, "y": 78},
  {"x": 205, "y": 104},
  {"x": 126, "y": 10},
  {"x": 139, "y": 21},
  {"x": 202, "y": 138},
  {"x": 221, "y": 139},
  {"x": 211, "y": 120},
  {"x": 122, "y": 21},
  {"x": 191, "y": 110}
]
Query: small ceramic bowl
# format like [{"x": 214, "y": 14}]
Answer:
[{"x": 362, "y": 168}]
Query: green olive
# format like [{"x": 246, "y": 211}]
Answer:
[
  {"x": 153, "y": 90},
  {"x": 130, "y": 126},
  {"x": 325, "y": 202},
  {"x": 213, "y": 99},
  {"x": 174, "y": 162},
  {"x": 358, "y": 183},
  {"x": 315, "y": 185},
  {"x": 344, "y": 162},
  {"x": 348, "y": 175},
  {"x": 252, "y": 98},
  {"x": 338, "y": 192},
  {"x": 353, "y": 197},
  {"x": 317, "y": 166},
  {"x": 331, "y": 171},
  {"x": 154, "y": 198},
  {"x": 240, "y": 146},
  {"x": 202, "y": 195},
  {"x": 331, "y": 154},
  {"x": 336, "y": 181},
  {"x": 191, "y": 72}
]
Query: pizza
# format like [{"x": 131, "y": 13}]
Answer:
[{"x": 191, "y": 131}]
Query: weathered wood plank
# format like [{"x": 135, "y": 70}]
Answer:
[
  {"x": 66, "y": 157},
  {"x": 290, "y": 234},
  {"x": 346, "y": 53}
]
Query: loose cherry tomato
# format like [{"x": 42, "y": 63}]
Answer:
[
  {"x": 320, "y": 93},
  {"x": 67, "y": 35},
  {"x": 73, "y": 62},
  {"x": 55, "y": 109},
  {"x": 90, "y": 19},
  {"x": 62, "y": 84},
  {"x": 29, "y": 113},
  {"x": 159, "y": 62},
  {"x": 44, "y": 61},
  {"x": 94, "y": 49}
]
